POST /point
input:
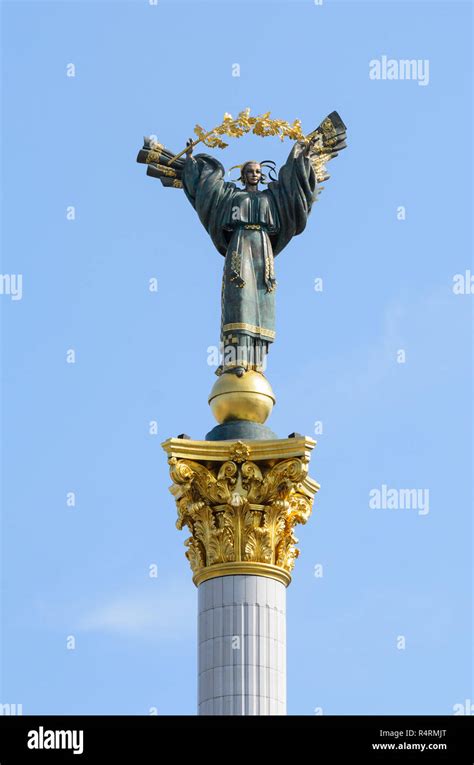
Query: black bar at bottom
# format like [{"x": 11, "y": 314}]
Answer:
[{"x": 25, "y": 739}]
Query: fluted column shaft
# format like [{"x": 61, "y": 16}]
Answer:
[{"x": 242, "y": 646}]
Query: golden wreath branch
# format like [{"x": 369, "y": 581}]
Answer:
[{"x": 262, "y": 125}]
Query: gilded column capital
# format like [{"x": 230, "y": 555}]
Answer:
[{"x": 241, "y": 502}]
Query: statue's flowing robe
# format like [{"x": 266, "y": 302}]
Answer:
[{"x": 249, "y": 229}]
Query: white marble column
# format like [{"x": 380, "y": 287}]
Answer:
[{"x": 242, "y": 646}]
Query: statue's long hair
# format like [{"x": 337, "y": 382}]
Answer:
[{"x": 263, "y": 178}]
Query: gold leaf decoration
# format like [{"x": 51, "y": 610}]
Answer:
[
  {"x": 240, "y": 511},
  {"x": 262, "y": 125}
]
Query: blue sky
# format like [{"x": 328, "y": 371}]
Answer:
[{"x": 141, "y": 356}]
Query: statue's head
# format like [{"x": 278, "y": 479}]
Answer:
[{"x": 251, "y": 172}]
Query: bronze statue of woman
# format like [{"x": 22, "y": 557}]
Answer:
[{"x": 249, "y": 228}]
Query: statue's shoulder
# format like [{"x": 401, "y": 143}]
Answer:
[{"x": 268, "y": 195}]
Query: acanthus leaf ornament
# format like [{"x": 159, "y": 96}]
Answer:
[{"x": 241, "y": 511}]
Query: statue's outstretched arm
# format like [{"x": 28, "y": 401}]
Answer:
[
  {"x": 157, "y": 159},
  {"x": 297, "y": 187}
]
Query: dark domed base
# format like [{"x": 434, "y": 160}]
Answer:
[{"x": 241, "y": 430}]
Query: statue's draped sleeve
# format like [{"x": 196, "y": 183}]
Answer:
[
  {"x": 293, "y": 194},
  {"x": 211, "y": 196}
]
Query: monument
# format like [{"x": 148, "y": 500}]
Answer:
[{"x": 241, "y": 490}]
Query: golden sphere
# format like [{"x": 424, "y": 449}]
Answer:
[{"x": 249, "y": 397}]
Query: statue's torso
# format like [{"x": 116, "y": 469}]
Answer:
[
  {"x": 254, "y": 207},
  {"x": 248, "y": 280}
]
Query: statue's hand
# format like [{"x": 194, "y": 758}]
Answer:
[
  {"x": 189, "y": 150},
  {"x": 304, "y": 147}
]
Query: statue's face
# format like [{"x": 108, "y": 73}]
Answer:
[{"x": 253, "y": 174}]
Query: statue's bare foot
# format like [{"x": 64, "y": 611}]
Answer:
[{"x": 221, "y": 370}]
